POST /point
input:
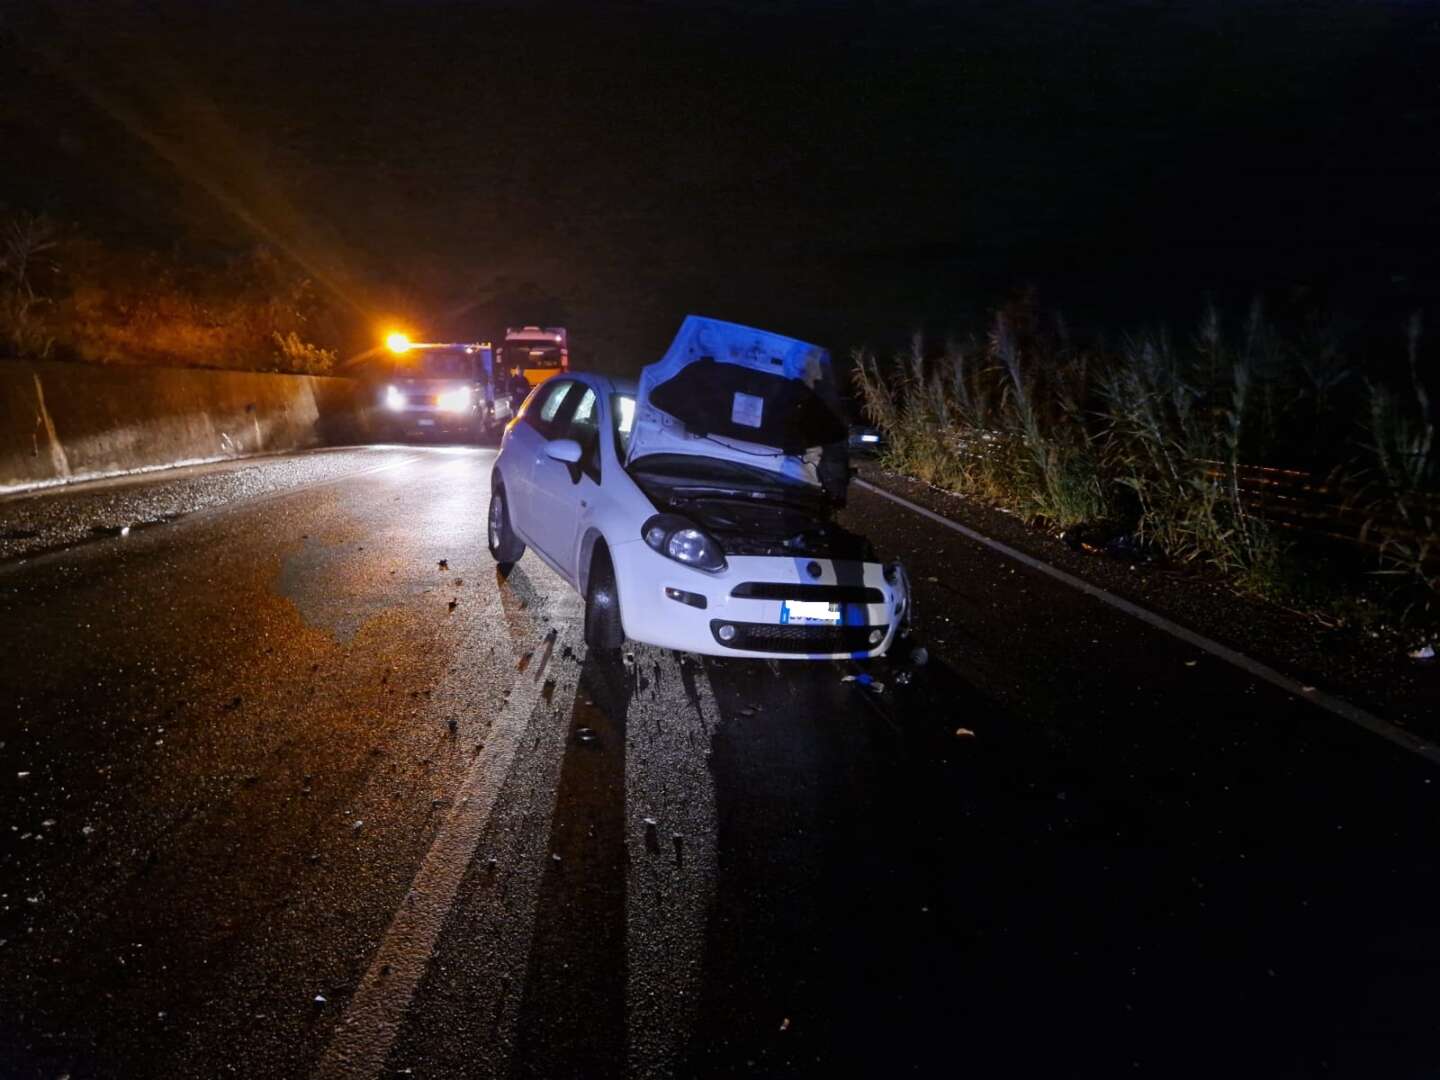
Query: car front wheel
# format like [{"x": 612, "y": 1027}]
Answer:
[
  {"x": 604, "y": 632},
  {"x": 504, "y": 544}
]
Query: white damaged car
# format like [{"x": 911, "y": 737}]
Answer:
[{"x": 696, "y": 512}]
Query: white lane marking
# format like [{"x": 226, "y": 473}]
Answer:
[
  {"x": 669, "y": 893},
  {"x": 363, "y": 1038},
  {"x": 1338, "y": 706}
]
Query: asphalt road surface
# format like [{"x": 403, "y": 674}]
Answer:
[{"x": 293, "y": 785}]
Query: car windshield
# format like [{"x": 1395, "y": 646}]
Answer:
[
  {"x": 437, "y": 365},
  {"x": 532, "y": 356}
]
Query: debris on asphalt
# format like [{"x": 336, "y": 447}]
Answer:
[
  {"x": 629, "y": 661},
  {"x": 453, "y": 725},
  {"x": 454, "y": 603},
  {"x": 48, "y": 823},
  {"x": 964, "y": 733},
  {"x": 88, "y": 831},
  {"x": 1191, "y": 663},
  {"x": 785, "y": 1024},
  {"x": 21, "y": 775},
  {"x": 444, "y": 564},
  {"x": 554, "y": 856},
  {"x": 357, "y": 826},
  {"x": 1425, "y": 652},
  {"x": 320, "y": 1000},
  {"x": 585, "y": 735}
]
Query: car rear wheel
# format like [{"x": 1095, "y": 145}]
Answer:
[
  {"x": 504, "y": 544},
  {"x": 604, "y": 632}
]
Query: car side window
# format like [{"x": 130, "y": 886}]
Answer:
[
  {"x": 542, "y": 411},
  {"x": 585, "y": 429}
]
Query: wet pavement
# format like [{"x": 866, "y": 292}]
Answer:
[{"x": 285, "y": 796}]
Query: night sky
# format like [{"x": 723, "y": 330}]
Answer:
[{"x": 845, "y": 172}]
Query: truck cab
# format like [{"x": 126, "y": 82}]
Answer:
[
  {"x": 533, "y": 354},
  {"x": 443, "y": 390}
]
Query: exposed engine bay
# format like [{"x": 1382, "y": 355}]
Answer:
[{"x": 759, "y": 518}]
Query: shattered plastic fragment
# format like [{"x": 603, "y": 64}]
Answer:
[
  {"x": 964, "y": 733},
  {"x": 1425, "y": 652}
]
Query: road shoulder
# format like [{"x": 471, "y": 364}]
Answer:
[{"x": 1370, "y": 671}]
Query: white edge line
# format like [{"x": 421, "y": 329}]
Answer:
[{"x": 1340, "y": 707}]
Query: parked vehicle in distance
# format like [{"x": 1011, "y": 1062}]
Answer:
[
  {"x": 534, "y": 353},
  {"x": 695, "y": 510},
  {"x": 443, "y": 390},
  {"x": 864, "y": 437}
]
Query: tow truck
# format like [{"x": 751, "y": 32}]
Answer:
[{"x": 433, "y": 388}]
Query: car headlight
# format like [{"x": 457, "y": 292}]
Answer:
[
  {"x": 681, "y": 540},
  {"x": 394, "y": 399},
  {"x": 454, "y": 400}
]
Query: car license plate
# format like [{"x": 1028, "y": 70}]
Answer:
[
  {"x": 425, "y": 423},
  {"x": 808, "y": 611}
]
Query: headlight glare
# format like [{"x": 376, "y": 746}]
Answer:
[
  {"x": 394, "y": 400},
  {"x": 678, "y": 539},
  {"x": 455, "y": 400}
]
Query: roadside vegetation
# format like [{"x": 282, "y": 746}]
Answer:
[
  {"x": 1291, "y": 465},
  {"x": 67, "y": 296}
]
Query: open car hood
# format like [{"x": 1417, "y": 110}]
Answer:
[{"x": 735, "y": 393}]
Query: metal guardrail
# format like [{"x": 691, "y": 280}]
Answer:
[
  {"x": 1329, "y": 507},
  {"x": 1318, "y": 506}
]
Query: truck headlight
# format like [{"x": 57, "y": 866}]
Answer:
[
  {"x": 394, "y": 399},
  {"x": 678, "y": 539},
  {"x": 454, "y": 400}
]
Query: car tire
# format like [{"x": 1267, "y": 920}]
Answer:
[
  {"x": 604, "y": 632},
  {"x": 505, "y": 546}
]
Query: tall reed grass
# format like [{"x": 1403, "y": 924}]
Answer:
[{"x": 1149, "y": 438}]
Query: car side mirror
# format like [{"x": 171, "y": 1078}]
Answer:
[{"x": 566, "y": 450}]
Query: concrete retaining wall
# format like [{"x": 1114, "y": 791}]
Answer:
[{"x": 64, "y": 422}]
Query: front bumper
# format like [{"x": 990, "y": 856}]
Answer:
[
  {"x": 423, "y": 420},
  {"x": 747, "y": 597}
]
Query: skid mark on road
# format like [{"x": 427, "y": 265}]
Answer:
[
  {"x": 365, "y": 1034},
  {"x": 671, "y": 883}
]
